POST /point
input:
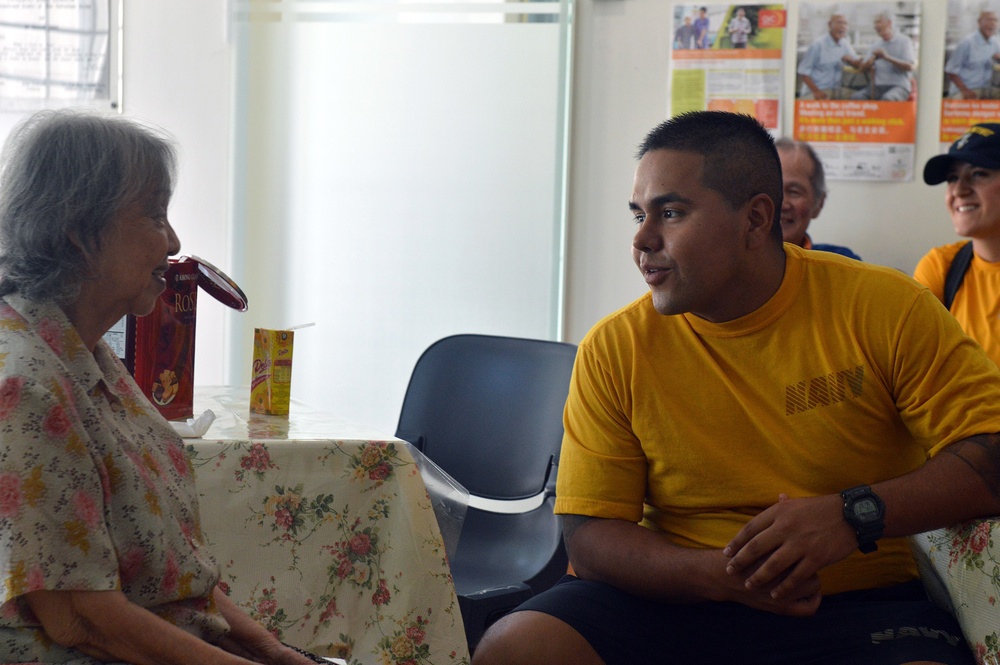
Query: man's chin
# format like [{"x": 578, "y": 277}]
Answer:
[{"x": 664, "y": 305}]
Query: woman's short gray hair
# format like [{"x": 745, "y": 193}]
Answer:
[{"x": 64, "y": 177}]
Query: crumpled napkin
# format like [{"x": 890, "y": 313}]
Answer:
[{"x": 194, "y": 428}]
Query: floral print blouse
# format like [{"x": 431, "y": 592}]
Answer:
[{"x": 96, "y": 492}]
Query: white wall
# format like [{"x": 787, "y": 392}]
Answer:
[{"x": 621, "y": 91}]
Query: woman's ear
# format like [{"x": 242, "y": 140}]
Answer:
[
  {"x": 74, "y": 240},
  {"x": 86, "y": 252}
]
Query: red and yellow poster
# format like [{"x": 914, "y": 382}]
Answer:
[
  {"x": 971, "y": 68},
  {"x": 728, "y": 58},
  {"x": 856, "y": 90}
]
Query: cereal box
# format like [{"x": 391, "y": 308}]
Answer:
[{"x": 271, "y": 383}]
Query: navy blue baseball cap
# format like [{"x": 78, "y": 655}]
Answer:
[{"x": 979, "y": 146}]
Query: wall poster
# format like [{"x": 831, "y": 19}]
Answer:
[
  {"x": 59, "y": 53},
  {"x": 971, "y": 67},
  {"x": 856, "y": 93},
  {"x": 728, "y": 58}
]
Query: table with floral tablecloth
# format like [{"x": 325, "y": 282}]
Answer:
[
  {"x": 325, "y": 534},
  {"x": 960, "y": 567}
]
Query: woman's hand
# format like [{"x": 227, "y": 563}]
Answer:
[
  {"x": 292, "y": 657},
  {"x": 107, "y": 626},
  {"x": 251, "y": 640},
  {"x": 268, "y": 651}
]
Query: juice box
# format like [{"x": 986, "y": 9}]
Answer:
[
  {"x": 271, "y": 383},
  {"x": 164, "y": 344}
]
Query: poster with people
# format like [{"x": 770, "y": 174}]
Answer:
[
  {"x": 856, "y": 93},
  {"x": 728, "y": 58},
  {"x": 971, "y": 67}
]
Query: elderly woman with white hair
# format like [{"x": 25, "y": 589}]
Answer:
[{"x": 101, "y": 551}]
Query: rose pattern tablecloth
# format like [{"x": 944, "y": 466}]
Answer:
[
  {"x": 330, "y": 543},
  {"x": 960, "y": 566}
]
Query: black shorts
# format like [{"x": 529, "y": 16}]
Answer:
[{"x": 874, "y": 627}]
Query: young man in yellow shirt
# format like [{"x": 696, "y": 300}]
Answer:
[{"x": 748, "y": 444}]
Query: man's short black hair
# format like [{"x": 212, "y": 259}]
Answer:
[{"x": 740, "y": 158}]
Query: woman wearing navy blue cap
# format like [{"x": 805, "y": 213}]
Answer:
[{"x": 966, "y": 275}]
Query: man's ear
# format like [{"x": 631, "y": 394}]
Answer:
[
  {"x": 818, "y": 206},
  {"x": 760, "y": 216}
]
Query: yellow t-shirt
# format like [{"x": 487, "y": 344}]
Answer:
[
  {"x": 849, "y": 374},
  {"x": 977, "y": 301}
]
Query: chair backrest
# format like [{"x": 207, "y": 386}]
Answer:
[{"x": 488, "y": 410}]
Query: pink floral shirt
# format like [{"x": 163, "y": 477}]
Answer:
[{"x": 96, "y": 491}]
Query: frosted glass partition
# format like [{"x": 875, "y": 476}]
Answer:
[{"x": 400, "y": 177}]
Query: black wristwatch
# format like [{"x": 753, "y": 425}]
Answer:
[{"x": 864, "y": 510}]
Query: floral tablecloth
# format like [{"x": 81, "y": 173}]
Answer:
[
  {"x": 960, "y": 566},
  {"x": 325, "y": 534}
]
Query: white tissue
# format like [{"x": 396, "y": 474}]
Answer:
[{"x": 194, "y": 428}]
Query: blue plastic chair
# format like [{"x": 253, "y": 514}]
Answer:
[{"x": 488, "y": 410}]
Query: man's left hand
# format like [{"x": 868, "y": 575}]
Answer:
[{"x": 794, "y": 538}]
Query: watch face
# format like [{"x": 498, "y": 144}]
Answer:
[{"x": 865, "y": 510}]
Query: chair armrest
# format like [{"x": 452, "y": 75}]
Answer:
[{"x": 960, "y": 568}]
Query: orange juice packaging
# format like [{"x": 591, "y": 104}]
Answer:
[{"x": 271, "y": 383}]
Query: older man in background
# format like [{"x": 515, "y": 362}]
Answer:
[
  {"x": 804, "y": 184},
  {"x": 970, "y": 67},
  {"x": 891, "y": 62}
]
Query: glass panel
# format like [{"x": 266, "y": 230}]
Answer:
[{"x": 400, "y": 178}]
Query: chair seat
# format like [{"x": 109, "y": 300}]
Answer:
[{"x": 495, "y": 549}]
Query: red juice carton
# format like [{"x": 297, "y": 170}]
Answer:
[{"x": 163, "y": 342}]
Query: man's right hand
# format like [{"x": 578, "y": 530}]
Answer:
[
  {"x": 801, "y": 602},
  {"x": 816, "y": 91},
  {"x": 645, "y": 563}
]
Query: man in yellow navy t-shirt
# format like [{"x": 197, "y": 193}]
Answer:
[{"x": 748, "y": 444}]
